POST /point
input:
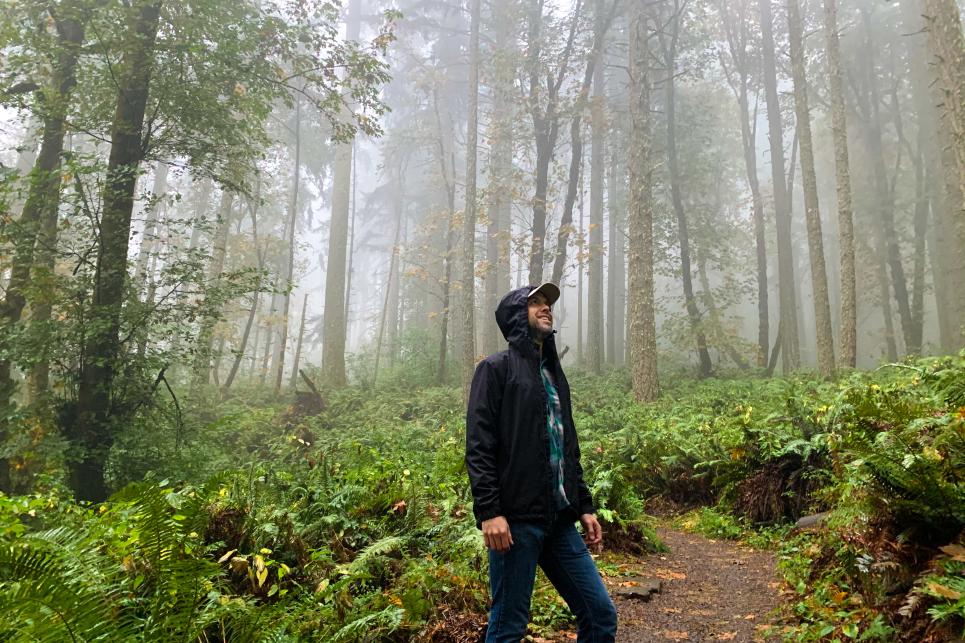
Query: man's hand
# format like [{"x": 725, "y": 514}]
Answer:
[
  {"x": 592, "y": 532},
  {"x": 496, "y": 534}
]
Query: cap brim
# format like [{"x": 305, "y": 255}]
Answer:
[{"x": 550, "y": 290}]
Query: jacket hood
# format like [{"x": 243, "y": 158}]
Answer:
[{"x": 512, "y": 316}]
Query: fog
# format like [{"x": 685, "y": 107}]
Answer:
[{"x": 240, "y": 220}]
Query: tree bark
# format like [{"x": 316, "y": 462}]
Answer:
[
  {"x": 591, "y": 77},
  {"x": 43, "y": 196},
  {"x": 705, "y": 366},
  {"x": 334, "y": 329},
  {"x": 839, "y": 127},
  {"x": 946, "y": 59},
  {"x": 890, "y": 250},
  {"x": 298, "y": 345},
  {"x": 616, "y": 263},
  {"x": 469, "y": 218},
  {"x": 546, "y": 125},
  {"x": 595, "y": 328},
  {"x": 500, "y": 169},
  {"x": 205, "y": 351},
  {"x": 812, "y": 213},
  {"x": 642, "y": 321},
  {"x": 92, "y": 430},
  {"x": 292, "y": 222},
  {"x": 737, "y": 32},
  {"x": 149, "y": 235},
  {"x": 790, "y": 353}
]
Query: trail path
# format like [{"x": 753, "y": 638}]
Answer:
[{"x": 710, "y": 591}]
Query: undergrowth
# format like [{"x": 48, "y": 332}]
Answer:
[{"x": 256, "y": 523}]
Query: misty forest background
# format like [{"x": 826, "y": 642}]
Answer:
[{"x": 263, "y": 241}]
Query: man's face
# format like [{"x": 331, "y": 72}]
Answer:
[{"x": 540, "y": 315}]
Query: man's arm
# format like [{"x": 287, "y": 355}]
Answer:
[{"x": 482, "y": 415}]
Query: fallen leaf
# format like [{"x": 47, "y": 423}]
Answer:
[
  {"x": 750, "y": 617},
  {"x": 957, "y": 552},
  {"x": 945, "y": 592},
  {"x": 674, "y": 635},
  {"x": 726, "y": 636},
  {"x": 666, "y": 574}
]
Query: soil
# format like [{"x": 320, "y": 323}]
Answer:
[{"x": 709, "y": 590}]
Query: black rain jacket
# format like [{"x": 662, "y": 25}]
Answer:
[{"x": 507, "y": 443}]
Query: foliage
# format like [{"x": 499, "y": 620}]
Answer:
[{"x": 359, "y": 518}]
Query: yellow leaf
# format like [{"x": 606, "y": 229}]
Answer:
[
  {"x": 262, "y": 576},
  {"x": 957, "y": 552},
  {"x": 945, "y": 592},
  {"x": 227, "y": 556}
]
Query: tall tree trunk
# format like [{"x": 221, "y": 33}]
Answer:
[
  {"x": 256, "y": 299},
  {"x": 616, "y": 263},
  {"x": 885, "y": 196},
  {"x": 350, "y": 270},
  {"x": 946, "y": 58},
  {"x": 935, "y": 195},
  {"x": 812, "y": 213},
  {"x": 581, "y": 254},
  {"x": 839, "y": 128},
  {"x": 791, "y": 350},
  {"x": 446, "y": 293},
  {"x": 642, "y": 321},
  {"x": 737, "y": 31},
  {"x": 205, "y": 352},
  {"x": 269, "y": 336},
  {"x": 333, "y": 333},
  {"x": 500, "y": 168},
  {"x": 594, "y": 336},
  {"x": 592, "y": 78},
  {"x": 469, "y": 218},
  {"x": 395, "y": 284},
  {"x": 546, "y": 125},
  {"x": 149, "y": 235},
  {"x": 92, "y": 428},
  {"x": 298, "y": 344},
  {"x": 683, "y": 233},
  {"x": 393, "y": 278},
  {"x": 43, "y": 196},
  {"x": 26, "y": 159},
  {"x": 292, "y": 224}
]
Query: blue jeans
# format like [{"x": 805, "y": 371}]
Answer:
[{"x": 562, "y": 555}]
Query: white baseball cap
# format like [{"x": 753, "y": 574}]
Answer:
[{"x": 550, "y": 290}]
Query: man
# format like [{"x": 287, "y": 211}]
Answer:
[{"x": 527, "y": 483}]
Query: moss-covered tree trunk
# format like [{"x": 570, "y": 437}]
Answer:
[
  {"x": 787, "y": 286},
  {"x": 705, "y": 365},
  {"x": 92, "y": 430},
  {"x": 812, "y": 213},
  {"x": 642, "y": 321},
  {"x": 848, "y": 333},
  {"x": 946, "y": 59},
  {"x": 334, "y": 328},
  {"x": 43, "y": 197}
]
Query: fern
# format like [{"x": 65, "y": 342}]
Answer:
[{"x": 365, "y": 628}]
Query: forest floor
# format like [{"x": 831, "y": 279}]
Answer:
[{"x": 710, "y": 590}]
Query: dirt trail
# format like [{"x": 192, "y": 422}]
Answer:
[{"x": 710, "y": 591}]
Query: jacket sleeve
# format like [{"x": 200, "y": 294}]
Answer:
[{"x": 482, "y": 441}]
